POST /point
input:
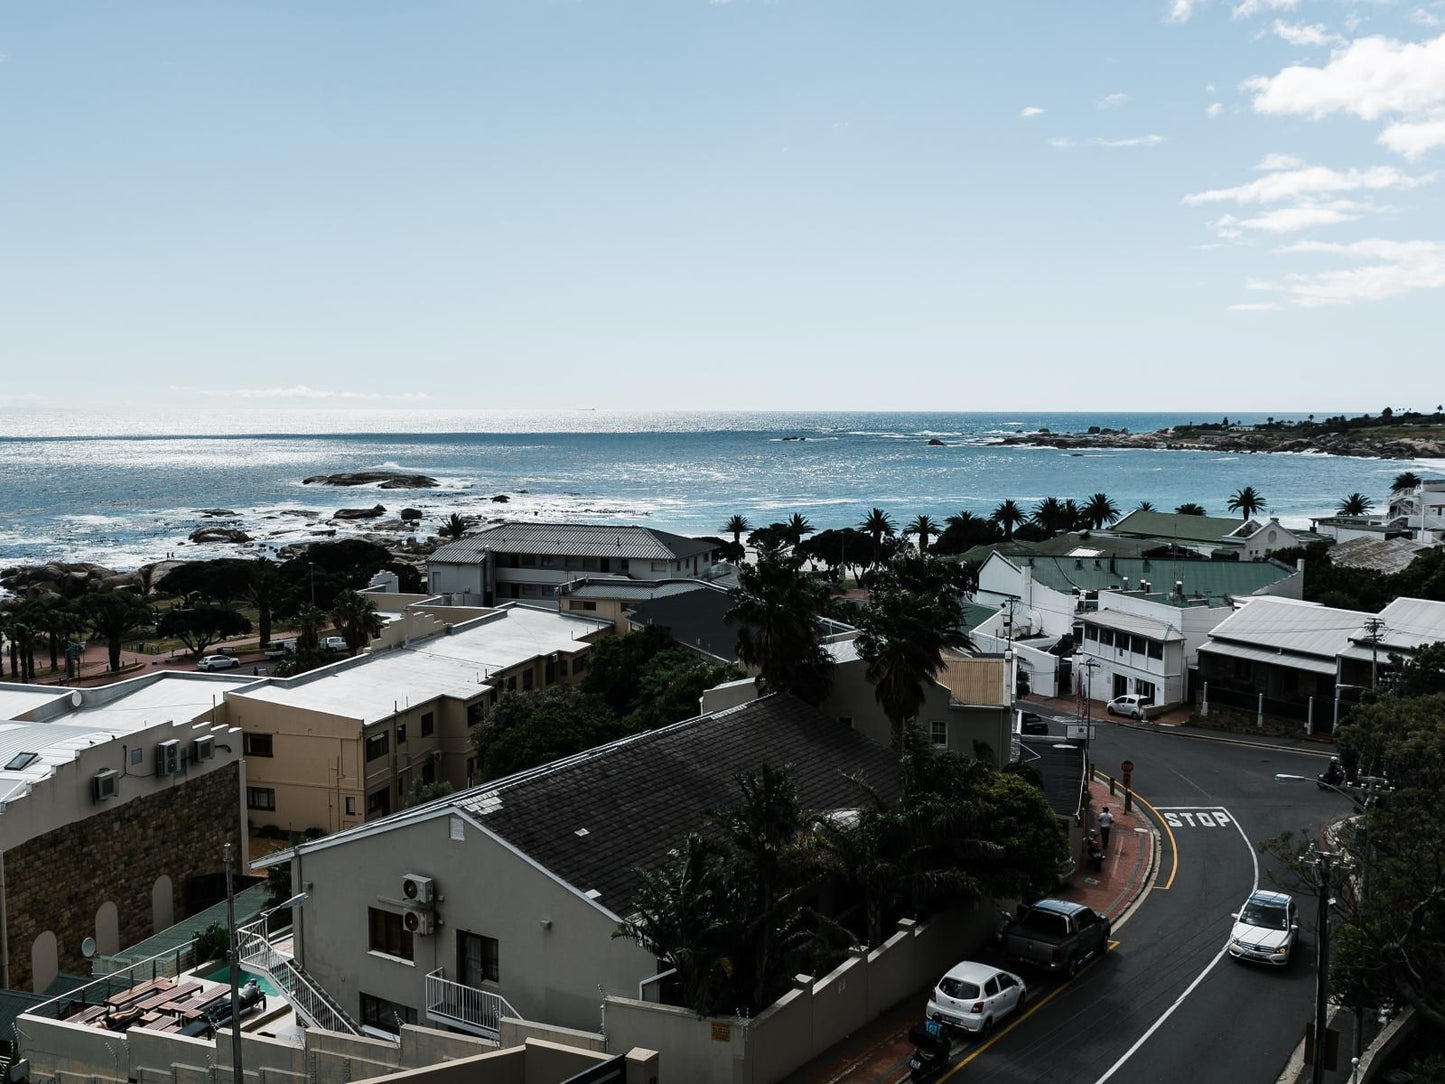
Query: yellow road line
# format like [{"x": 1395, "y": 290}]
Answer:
[{"x": 1164, "y": 824}]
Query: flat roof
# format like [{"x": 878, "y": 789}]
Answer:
[
  {"x": 456, "y": 664},
  {"x": 574, "y": 540},
  {"x": 18, "y": 699}
]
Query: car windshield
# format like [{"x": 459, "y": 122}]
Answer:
[
  {"x": 961, "y": 989},
  {"x": 1271, "y": 916},
  {"x": 1047, "y": 923}
]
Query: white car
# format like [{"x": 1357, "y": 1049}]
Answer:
[
  {"x": 1131, "y": 706},
  {"x": 218, "y": 662},
  {"x": 334, "y": 643},
  {"x": 1265, "y": 929},
  {"x": 974, "y": 997}
]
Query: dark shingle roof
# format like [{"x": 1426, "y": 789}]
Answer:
[
  {"x": 697, "y": 618},
  {"x": 593, "y": 821},
  {"x": 574, "y": 540}
]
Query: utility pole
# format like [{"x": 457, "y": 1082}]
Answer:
[
  {"x": 1322, "y": 967},
  {"x": 237, "y": 1076},
  {"x": 1088, "y": 707},
  {"x": 1374, "y": 626}
]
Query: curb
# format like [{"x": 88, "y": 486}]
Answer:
[
  {"x": 1227, "y": 739},
  {"x": 1151, "y": 876}
]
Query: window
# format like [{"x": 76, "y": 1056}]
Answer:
[
  {"x": 1156, "y": 649},
  {"x": 377, "y": 745},
  {"x": 846, "y": 720},
  {"x": 588, "y": 605},
  {"x": 938, "y": 731},
  {"x": 562, "y": 666},
  {"x": 659, "y": 566},
  {"x": 549, "y": 675},
  {"x": 1136, "y": 644},
  {"x": 257, "y": 745},
  {"x": 527, "y": 560},
  {"x": 388, "y": 934},
  {"x": 351, "y": 805},
  {"x": 512, "y": 684},
  {"x": 378, "y": 803},
  {"x": 428, "y": 724},
  {"x": 1145, "y": 689},
  {"x": 529, "y": 679},
  {"x": 384, "y": 1015},
  {"x": 477, "y": 958},
  {"x": 579, "y": 663},
  {"x": 429, "y": 772},
  {"x": 1091, "y": 633},
  {"x": 1106, "y": 637},
  {"x": 137, "y": 755},
  {"x": 21, "y": 760},
  {"x": 400, "y": 733},
  {"x": 260, "y": 798},
  {"x": 622, "y": 564}
]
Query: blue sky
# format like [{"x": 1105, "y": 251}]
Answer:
[{"x": 792, "y": 204}]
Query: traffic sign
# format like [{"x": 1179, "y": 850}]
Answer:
[{"x": 1127, "y": 767}]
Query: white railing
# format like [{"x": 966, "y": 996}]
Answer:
[
  {"x": 467, "y": 1007},
  {"x": 313, "y": 1004}
]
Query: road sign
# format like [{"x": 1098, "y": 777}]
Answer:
[
  {"x": 1079, "y": 730},
  {"x": 1127, "y": 767}
]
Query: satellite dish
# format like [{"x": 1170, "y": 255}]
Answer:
[
  {"x": 87, "y": 947},
  {"x": 75, "y": 698}
]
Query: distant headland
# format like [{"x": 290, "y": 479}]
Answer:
[{"x": 1388, "y": 435}]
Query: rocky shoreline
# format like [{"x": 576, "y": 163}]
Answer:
[{"x": 1249, "y": 440}]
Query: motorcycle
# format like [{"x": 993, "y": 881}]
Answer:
[
  {"x": 931, "y": 1051},
  {"x": 1333, "y": 776}
]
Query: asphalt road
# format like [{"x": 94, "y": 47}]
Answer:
[{"x": 1167, "y": 1004}]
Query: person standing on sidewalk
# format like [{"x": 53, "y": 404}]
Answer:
[{"x": 1106, "y": 821}]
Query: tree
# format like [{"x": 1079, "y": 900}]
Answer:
[
  {"x": 1189, "y": 508},
  {"x": 647, "y": 679},
  {"x": 1405, "y": 482},
  {"x": 201, "y": 626},
  {"x": 422, "y": 792},
  {"x": 797, "y": 528},
  {"x": 840, "y": 549},
  {"x": 114, "y": 615},
  {"x": 736, "y": 526},
  {"x": 780, "y": 610},
  {"x": 913, "y": 613},
  {"x": 524, "y": 730},
  {"x": 1246, "y": 501},
  {"x": 263, "y": 590},
  {"x": 1008, "y": 515},
  {"x": 1356, "y": 504},
  {"x": 309, "y": 623},
  {"x": 1073, "y": 516},
  {"x": 1146, "y": 506},
  {"x": 1051, "y": 516},
  {"x": 1099, "y": 511},
  {"x": 923, "y": 528},
  {"x": 356, "y": 618},
  {"x": 877, "y": 525},
  {"x": 326, "y": 569},
  {"x": 964, "y": 531},
  {"x": 220, "y": 581},
  {"x": 1422, "y": 674},
  {"x": 454, "y": 527},
  {"x": 21, "y": 629}
]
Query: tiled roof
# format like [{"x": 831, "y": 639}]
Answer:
[
  {"x": 698, "y": 619},
  {"x": 593, "y": 820},
  {"x": 1172, "y": 525},
  {"x": 573, "y": 540},
  {"x": 1210, "y": 579}
]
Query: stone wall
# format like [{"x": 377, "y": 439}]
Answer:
[{"x": 58, "y": 881}]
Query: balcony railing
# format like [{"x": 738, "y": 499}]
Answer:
[
  {"x": 312, "y": 1004},
  {"x": 465, "y": 1007}
]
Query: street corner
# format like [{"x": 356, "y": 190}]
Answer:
[{"x": 1123, "y": 872}]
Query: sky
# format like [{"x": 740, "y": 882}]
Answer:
[{"x": 736, "y": 204}]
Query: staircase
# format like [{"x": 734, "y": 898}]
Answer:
[{"x": 313, "y": 1005}]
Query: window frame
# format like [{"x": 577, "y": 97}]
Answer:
[
  {"x": 257, "y": 744},
  {"x": 387, "y": 934},
  {"x": 252, "y": 793}
]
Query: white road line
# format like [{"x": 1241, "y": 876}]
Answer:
[{"x": 1198, "y": 979}]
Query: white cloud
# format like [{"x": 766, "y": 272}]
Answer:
[
  {"x": 1209, "y": 88},
  {"x": 1180, "y": 11},
  {"x": 1290, "y": 184},
  {"x": 1061, "y": 142},
  {"x": 1414, "y": 138},
  {"x": 300, "y": 391},
  {"x": 1254, "y": 306},
  {"x": 1247, "y": 8},
  {"x": 1112, "y": 101},
  {"x": 1370, "y": 77},
  {"x": 1276, "y": 160},
  {"x": 1305, "y": 216},
  {"x": 1421, "y": 17},
  {"x": 1299, "y": 34},
  {"x": 1213, "y": 109},
  {"x": 1395, "y": 267},
  {"x": 1133, "y": 141},
  {"x": 1030, "y": 111}
]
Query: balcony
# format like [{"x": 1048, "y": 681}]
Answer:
[{"x": 454, "y": 1005}]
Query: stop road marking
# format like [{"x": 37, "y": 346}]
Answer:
[{"x": 1195, "y": 818}]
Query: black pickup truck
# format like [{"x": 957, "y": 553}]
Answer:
[{"x": 1056, "y": 935}]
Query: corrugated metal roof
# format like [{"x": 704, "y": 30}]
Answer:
[
  {"x": 1278, "y": 658},
  {"x": 1130, "y": 623},
  {"x": 1408, "y": 623},
  {"x": 1298, "y": 627},
  {"x": 1171, "y": 525},
  {"x": 574, "y": 540},
  {"x": 623, "y": 588},
  {"x": 978, "y": 682},
  {"x": 1211, "y": 579}
]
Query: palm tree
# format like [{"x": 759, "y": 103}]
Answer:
[
  {"x": 779, "y": 612},
  {"x": 1189, "y": 508},
  {"x": 453, "y": 527},
  {"x": 877, "y": 525},
  {"x": 1073, "y": 516},
  {"x": 310, "y": 620},
  {"x": 1050, "y": 516},
  {"x": 1100, "y": 511},
  {"x": 1405, "y": 482},
  {"x": 1008, "y": 516},
  {"x": 737, "y": 526},
  {"x": 924, "y": 528},
  {"x": 1246, "y": 501},
  {"x": 1356, "y": 504},
  {"x": 796, "y": 528},
  {"x": 1146, "y": 506},
  {"x": 356, "y": 619},
  {"x": 264, "y": 591}
]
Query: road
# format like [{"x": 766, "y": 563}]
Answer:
[{"x": 1167, "y": 1004}]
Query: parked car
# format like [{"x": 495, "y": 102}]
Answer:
[
  {"x": 1265, "y": 929},
  {"x": 1131, "y": 706},
  {"x": 279, "y": 649},
  {"x": 334, "y": 643},
  {"x": 974, "y": 997},
  {"x": 1057, "y": 935},
  {"x": 218, "y": 662},
  {"x": 1031, "y": 723}
]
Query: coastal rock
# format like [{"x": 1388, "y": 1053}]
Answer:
[
  {"x": 54, "y": 578},
  {"x": 409, "y": 514},
  {"x": 934, "y": 442},
  {"x": 501, "y": 498},
  {"x": 304, "y": 513},
  {"x": 360, "y": 513},
  {"x": 219, "y": 534},
  {"x": 216, "y": 513},
  {"x": 383, "y": 479}
]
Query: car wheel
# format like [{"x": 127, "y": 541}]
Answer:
[
  {"x": 1073, "y": 965},
  {"x": 987, "y": 1029},
  {"x": 1109, "y": 708}
]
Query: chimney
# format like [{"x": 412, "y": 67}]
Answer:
[
  {"x": 1179, "y": 588},
  {"x": 1126, "y": 583}
]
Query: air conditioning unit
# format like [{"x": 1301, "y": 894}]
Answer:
[
  {"x": 168, "y": 757},
  {"x": 203, "y": 748},
  {"x": 420, "y": 922},
  {"x": 104, "y": 784},
  {"x": 418, "y": 889}
]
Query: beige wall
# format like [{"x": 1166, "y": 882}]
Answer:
[
  {"x": 316, "y": 763},
  {"x": 604, "y": 609}
]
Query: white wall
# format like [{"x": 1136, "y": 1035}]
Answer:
[{"x": 448, "y": 578}]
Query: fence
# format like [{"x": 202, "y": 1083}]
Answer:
[{"x": 166, "y": 965}]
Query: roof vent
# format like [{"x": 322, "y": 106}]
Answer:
[{"x": 582, "y": 832}]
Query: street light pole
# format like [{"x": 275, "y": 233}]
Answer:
[
  {"x": 1322, "y": 966},
  {"x": 236, "y": 1073}
]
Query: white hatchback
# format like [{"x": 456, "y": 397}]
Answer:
[
  {"x": 974, "y": 997},
  {"x": 1131, "y": 706},
  {"x": 1265, "y": 929},
  {"x": 218, "y": 662}
]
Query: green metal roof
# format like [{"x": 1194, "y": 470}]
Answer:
[
  {"x": 1062, "y": 545},
  {"x": 975, "y": 615},
  {"x": 1167, "y": 525},
  {"x": 1211, "y": 579}
]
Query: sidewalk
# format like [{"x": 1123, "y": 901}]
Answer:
[{"x": 878, "y": 1053}]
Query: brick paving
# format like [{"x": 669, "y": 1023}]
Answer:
[{"x": 878, "y": 1053}]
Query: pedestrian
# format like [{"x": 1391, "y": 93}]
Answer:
[{"x": 1106, "y": 821}]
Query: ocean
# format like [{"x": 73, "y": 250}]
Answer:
[{"x": 122, "y": 489}]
